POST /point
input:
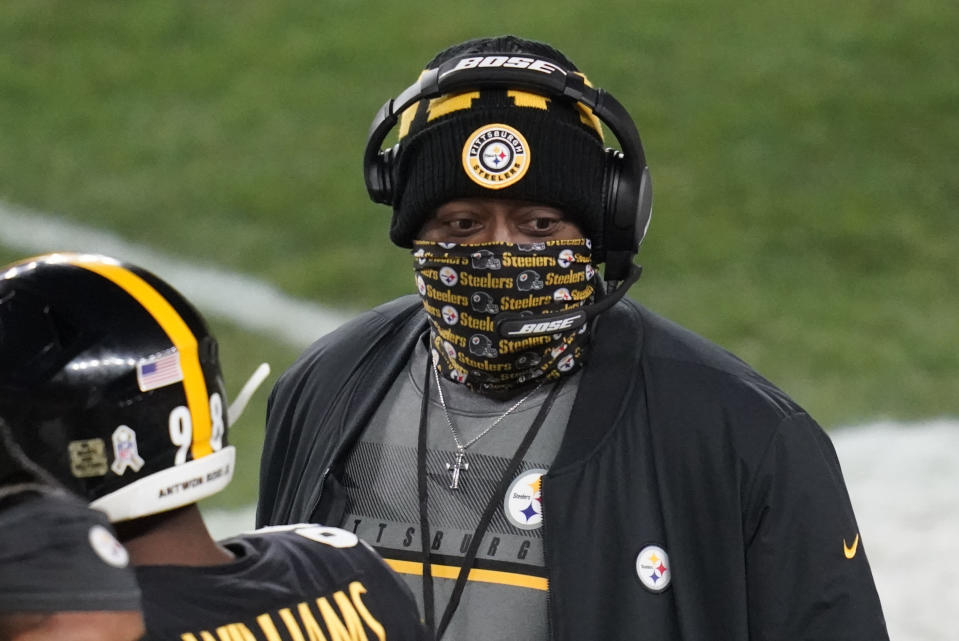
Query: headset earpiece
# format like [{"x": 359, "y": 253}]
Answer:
[
  {"x": 379, "y": 176},
  {"x": 627, "y": 207}
]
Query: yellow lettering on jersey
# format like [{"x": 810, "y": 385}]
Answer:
[
  {"x": 313, "y": 630},
  {"x": 342, "y": 618},
  {"x": 291, "y": 625},
  {"x": 265, "y": 621},
  {"x": 349, "y": 628},
  {"x": 235, "y": 632},
  {"x": 357, "y": 590}
]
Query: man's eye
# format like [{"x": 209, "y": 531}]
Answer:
[{"x": 544, "y": 223}]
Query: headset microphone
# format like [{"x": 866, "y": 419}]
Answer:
[{"x": 516, "y": 325}]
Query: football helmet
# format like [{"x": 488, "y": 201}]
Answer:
[
  {"x": 483, "y": 303},
  {"x": 485, "y": 259},
  {"x": 481, "y": 345},
  {"x": 110, "y": 380},
  {"x": 529, "y": 280},
  {"x": 527, "y": 360}
]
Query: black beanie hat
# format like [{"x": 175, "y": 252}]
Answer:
[{"x": 498, "y": 143}]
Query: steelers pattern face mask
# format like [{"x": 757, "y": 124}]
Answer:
[{"x": 465, "y": 286}]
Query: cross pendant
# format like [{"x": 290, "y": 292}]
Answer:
[{"x": 456, "y": 467}]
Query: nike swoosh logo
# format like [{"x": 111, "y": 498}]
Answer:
[{"x": 850, "y": 550}]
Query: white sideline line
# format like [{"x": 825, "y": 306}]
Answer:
[{"x": 246, "y": 301}]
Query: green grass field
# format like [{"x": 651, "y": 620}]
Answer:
[{"x": 803, "y": 156}]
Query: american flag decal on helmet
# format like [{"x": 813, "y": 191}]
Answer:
[{"x": 159, "y": 370}]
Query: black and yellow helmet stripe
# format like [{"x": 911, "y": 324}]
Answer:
[{"x": 170, "y": 321}]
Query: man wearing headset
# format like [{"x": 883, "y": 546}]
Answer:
[{"x": 538, "y": 456}]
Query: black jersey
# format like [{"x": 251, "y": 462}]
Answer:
[{"x": 286, "y": 583}]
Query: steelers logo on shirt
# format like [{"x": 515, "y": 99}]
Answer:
[
  {"x": 523, "y": 503},
  {"x": 653, "y": 568},
  {"x": 496, "y": 156}
]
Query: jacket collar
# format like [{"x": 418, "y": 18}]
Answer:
[{"x": 611, "y": 379}]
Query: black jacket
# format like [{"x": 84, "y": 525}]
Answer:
[{"x": 672, "y": 441}]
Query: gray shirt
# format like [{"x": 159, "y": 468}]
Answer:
[{"x": 505, "y": 596}]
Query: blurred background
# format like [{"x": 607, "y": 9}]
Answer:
[{"x": 804, "y": 157}]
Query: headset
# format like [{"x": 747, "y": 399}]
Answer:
[{"x": 627, "y": 186}]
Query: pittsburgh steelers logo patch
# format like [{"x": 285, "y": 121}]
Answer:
[
  {"x": 523, "y": 503},
  {"x": 495, "y": 156},
  {"x": 652, "y": 567}
]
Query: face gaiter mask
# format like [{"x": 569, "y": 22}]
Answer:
[{"x": 464, "y": 287}]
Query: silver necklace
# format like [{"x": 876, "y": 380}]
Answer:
[{"x": 460, "y": 463}]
